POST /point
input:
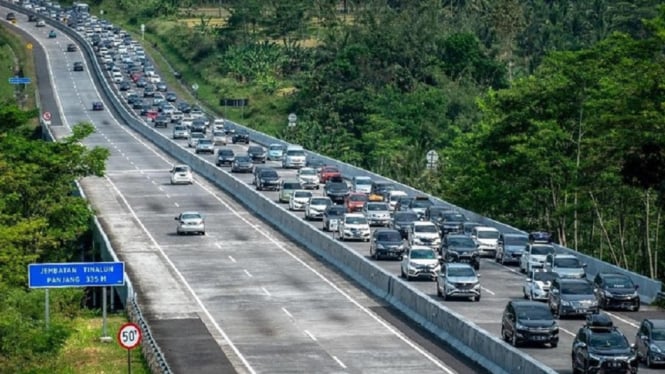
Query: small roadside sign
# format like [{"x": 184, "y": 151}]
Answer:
[
  {"x": 129, "y": 336},
  {"x": 46, "y": 116},
  {"x": 29, "y": 45}
]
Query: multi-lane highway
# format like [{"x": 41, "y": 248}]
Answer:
[{"x": 268, "y": 304}]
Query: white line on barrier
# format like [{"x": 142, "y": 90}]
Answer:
[
  {"x": 310, "y": 335},
  {"x": 287, "y": 312},
  {"x": 339, "y": 362},
  {"x": 266, "y": 291},
  {"x": 247, "y": 272}
]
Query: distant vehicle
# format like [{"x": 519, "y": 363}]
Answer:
[
  {"x": 77, "y": 66},
  {"x": 355, "y": 201},
  {"x": 331, "y": 217},
  {"x": 194, "y": 138},
  {"x": 219, "y": 137},
  {"x": 361, "y": 184},
  {"x": 287, "y": 188},
  {"x": 328, "y": 172},
  {"x": 275, "y": 152},
  {"x": 337, "y": 191},
  {"x": 379, "y": 189},
  {"x": 650, "y": 342},
  {"x": 510, "y": 248},
  {"x": 457, "y": 280},
  {"x": 402, "y": 222},
  {"x": 460, "y": 248},
  {"x": 309, "y": 178},
  {"x": 540, "y": 237},
  {"x": 572, "y": 297},
  {"x": 424, "y": 234},
  {"x": 600, "y": 347},
  {"x": 402, "y": 204},
  {"x": 257, "y": 154},
  {"x": 267, "y": 179},
  {"x": 420, "y": 262},
  {"x": 41, "y": 23},
  {"x": 242, "y": 164},
  {"x": 534, "y": 256},
  {"x": 529, "y": 322},
  {"x": 52, "y": 34},
  {"x": 566, "y": 265},
  {"x": 420, "y": 204},
  {"x": 487, "y": 239},
  {"x": 97, "y": 106},
  {"x": 190, "y": 223},
  {"x": 181, "y": 174},
  {"x": 162, "y": 121},
  {"x": 316, "y": 206},
  {"x": 299, "y": 199},
  {"x": 171, "y": 97},
  {"x": 314, "y": 163},
  {"x": 240, "y": 137},
  {"x": 616, "y": 290},
  {"x": 205, "y": 146},
  {"x": 537, "y": 284},
  {"x": 468, "y": 226},
  {"x": 450, "y": 221},
  {"x": 71, "y": 47},
  {"x": 294, "y": 157},
  {"x": 394, "y": 197},
  {"x": 11, "y": 16},
  {"x": 354, "y": 226},
  {"x": 377, "y": 213},
  {"x": 387, "y": 243}
]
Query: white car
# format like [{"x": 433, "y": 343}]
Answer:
[
  {"x": 487, "y": 239},
  {"x": 193, "y": 139},
  {"x": 181, "y": 174},
  {"x": 537, "y": 284},
  {"x": 534, "y": 256},
  {"x": 309, "y": 178},
  {"x": 424, "y": 233},
  {"x": 354, "y": 226},
  {"x": 218, "y": 124},
  {"x": 190, "y": 223},
  {"x": 377, "y": 213},
  {"x": 219, "y": 137},
  {"x": 420, "y": 262},
  {"x": 316, "y": 206},
  {"x": 299, "y": 199},
  {"x": 393, "y": 198},
  {"x": 361, "y": 184}
]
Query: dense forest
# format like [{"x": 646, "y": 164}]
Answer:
[{"x": 546, "y": 114}]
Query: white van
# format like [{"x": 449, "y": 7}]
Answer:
[
  {"x": 362, "y": 184},
  {"x": 487, "y": 240},
  {"x": 393, "y": 198},
  {"x": 294, "y": 157}
]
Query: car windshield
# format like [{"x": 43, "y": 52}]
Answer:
[
  {"x": 576, "y": 288},
  {"x": 545, "y": 276},
  {"x": 363, "y": 181},
  {"x": 356, "y": 220},
  {"x": 422, "y": 254},
  {"x": 425, "y": 228},
  {"x": 197, "y": 135},
  {"x": 320, "y": 201},
  {"x": 269, "y": 174},
  {"x": 658, "y": 334},
  {"x": 291, "y": 186},
  {"x": 619, "y": 282},
  {"x": 307, "y": 172},
  {"x": 454, "y": 217},
  {"x": 243, "y": 159},
  {"x": 567, "y": 263},
  {"x": 487, "y": 234},
  {"x": 395, "y": 197},
  {"x": 389, "y": 236},
  {"x": 516, "y": 240},
  {"x": 336, "y": 211},
  {"x": 383, "y": 187},
  {"x": 461, "y": 241},
  {"x": 542, "y": 250},
  {"x": 254, "y": 150},
  {"x": 276, "y": 147},
  {"x": 205, "y": 141},
  {"x": 338, "y": 186},
  {"x": 461, "y": 272},
  {"x": 296, "y": 152},
  {"x": 532, "y": 313},
  {"x": 379, "y": 207},
  {"x": 181, "y": 169},
  {"x": 225, "y": 152},
  {"x": 358, "y": 198},
  {"x": 219, "y": 134},
  {"x": 329, "y": 169},
  {"x": 405, "y": 217},
  {"x": 608, "y": 341},
  {"x": 421, "y": 203},
  {"x": 305, "y": 194},
  {"x": 190, "y": 216}
]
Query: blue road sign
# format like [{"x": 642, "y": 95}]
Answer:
[
  {"x": 19, "y": 80},
  {"x": 76, "y": 274}
]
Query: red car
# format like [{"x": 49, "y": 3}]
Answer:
[
  {"x": 355, "y": 202},
  {"x": 136, "y": 77},
  {"x": 152, "y": 114},
  {"x": 328, "y": 172}
]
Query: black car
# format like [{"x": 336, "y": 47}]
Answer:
[
  {"x": 240, "y": 137},
  {"x": 161, "y": 86},
  {"x": 314, "y": 163},
  {"x": 332, "y": 216},
  {"x": 460, "y": 248},
  {"x": 468, "y": 226},
  {"x": 162, "y": 121},
  {"x": 77, "y": 66},
  {"x": 599, "y": 347},
  {"x": 225, "y": 156},
  {"x": 402, "y": 222},
  {"x": 386, "y": 243},
  {"x": 242, "y": 164},
  {"x": 526, "y": 321},
  {"x": 572, "y": 297},
  {"x": 171, "y": 97},
  {"x": 257, "y": 154},
  {"x": 650, "y": 342},
  {"x": 337, "y": 191},
  {"x": 198, "y": 125},
  {"x": 540, "y": 237},
  {"x": 432, "y": 212},
  {"x": 615, "y": 290},
  {"x": 141, "y": 83},
  {"x": 510, "y": 247},
  {"x": 138, "y": 104},
  {"x": 11, "y": 16},
  {"x": 97, "y": 105},
  {"x": 32, "y": 18},
  {"x": 184, "y": 107},
  {"x": 71, "y": 47},
  {"x": 124, "y": 86},
  {"x": 267, "y": 179},
  {"x": 382, "y": 188},
  {"x": 148, "y": 91},
  {"x": 450, "y": 221}
]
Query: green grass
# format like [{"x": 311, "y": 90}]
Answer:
[{"x": 12, "y": 51}]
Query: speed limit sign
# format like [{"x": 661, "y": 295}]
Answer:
[{"x": 129, "y": 335}]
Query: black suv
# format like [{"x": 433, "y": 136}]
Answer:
[
  {"x": 599, "y": 347},
  {"x": 572, "y": 297},
  {"x": 529, "y": 322},
  {"x": 225, "y": 156},
  {"x": 267, "y": 179},
  {"x": 257, "y": 154},
  {"x": 71, "y": 47},
  {"x": 432, "y": 213},
  {"x": 386, "y": 243},
  {"x": 337, "y": 191},
  {"x": 650, "y": 342},
  {"x": 450, "y": 221},
  {"x": 240, "y": 137},
  {"x": 460, "y": 248},
  {"x": 615, "y": 290},
  {"x": 402, "y": 222},
  {"x": 78, "y": 66}
]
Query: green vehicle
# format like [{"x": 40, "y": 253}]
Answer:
[
  {"x": 52, "y": 34},
  {"x": 287, "y": 188}
]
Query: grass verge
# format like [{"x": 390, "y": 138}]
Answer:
[{"x": 13, "y": 54}]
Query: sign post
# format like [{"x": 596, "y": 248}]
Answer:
[
  {"x": 129, "y": 337},
  {"x": 46, "y": 116},
  {"x": 293, "y": 119},
  {"x": 432, "y": 159},
  {"x": 142, "y": 31}
]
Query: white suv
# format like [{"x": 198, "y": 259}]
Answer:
[
  {"x": 354, "y": 226},
  {"x": 294, "y": 157},
  {"x": 424, "y": 233},
  {"x": 181, "y": 174},
  {"x": 487, "y": 240}
]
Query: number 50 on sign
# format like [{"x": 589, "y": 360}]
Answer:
[{"x": 129, "y": 335}]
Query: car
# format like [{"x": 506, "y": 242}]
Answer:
[
  {"x": 267, "y": 179},
  {"x": 77, "y": 66},
  {"x": 487, "y": 240},
  {"x": 420, "y": 204},
  {"x": 424, "y": 233},
  {"x": 161, "y": 86},
  {"x": 241, "y": 136},
  {"x": 190, "y": 223},
  {"x": 468, "y": 226},
  {"x": 309, "y": 178},
  {"x": 241, "y": 164},
  {"x": 331, "y": 217},
  {"x": 449, "y": 221},
  {"x": 316, "y": 206},
  {"x": 218, "y": 124},
  {"x": 124, "y": 86},
  {"x": 387, "y": 243},
  {"x": 32, "y": 18},
  {"x": 432, "y": 213},
  {"x": 180, "y": 132},
  {"x": 181, "y": 174},
  {"x": 393, "y": 197},
  {"x": 257, "y": 154},
  {"x": 198, "y": 126},
  {"x": 526, "y": 321},
  {"x": 10, "y": 16},
  {"x": 402, "y": 222},
  {"x": 600, "y": 347},
  {"x": 257, "y": 170},
  {"x": 420, "y": 262},
  {"x": 361, "y": 184},
  {"x": 71, "y": 47},
  {"x": 566, "y": 265},
  {"x": 510, "y": 247},
  {"x": 328, "y": 172},
  {"x": 161, "y": 121},
  {"x": 458, "y": 280},
  {"x": 379, "y": 189},
  {"x": 354, "y": 226},
  {"x": 219, "y": 137},
  {"x": 540, "y": 237},
  {"x": 142, "y": 83},
  {"x": 205, "y": 146},
  {"x": 52, "y": 34},
  {"x": 355, "y": 201},
  {"x": 294, "y": 157},
  {"x": 42, "y": 23},
  {"x": 538, "y": 283},
  {"x": 650, "y": 342},
  {"x": 97, "y": 106},
  {"x": 315, "y": 163},
  {"x": 299, "y": 199},
  {"x": 275, "y": 152},
  {"x": 616, "y": 290},
  {"x": 287, "y": 188},
  {"x": 141, "y": 106},
  {"x": 460, "y": 248},
  {"x": 337, "y": 191},
  {"x": 171, "y": 97},
  {"x": 377, "y": 213},
  {"x": 572, "y": 297},
  {"x": 534, "y": 256},
  {"x": 402, "y": 203},
  {"x": 194, "y": 138}
]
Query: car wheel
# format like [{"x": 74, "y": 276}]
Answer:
[
  {"x": 636, "y": 307},
  {"x": 503, "y": 334},
  {"x": 513, "y": 340},
  {"x": 648, "y": 361},
  {"x": 401, "y": 272},
  {"x": 554, "y": 344},
  {"x": 438, "y": 290},
  {"x": 525, "y": 295},
  {"x": 476, "y": 266},
  {"x": 203, "y": 232},
  {"x": 496, "y": 258},
  {"x": 477, "y": 298}
]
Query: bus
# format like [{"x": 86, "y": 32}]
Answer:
[{"x": 81, "y": 7}]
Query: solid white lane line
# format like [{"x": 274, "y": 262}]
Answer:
[
  {"x": 339, "y": 362},
  {"x": 310, "y": 335}
]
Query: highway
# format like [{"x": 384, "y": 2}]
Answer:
[{"x": 267, "y": 304}]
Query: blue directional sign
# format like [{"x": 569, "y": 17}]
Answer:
[
  {"x": 76, "y": 274},
  {"x": 19, "y": 80}
]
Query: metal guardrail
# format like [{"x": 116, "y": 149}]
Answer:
[{"x": 149, "y": 347}]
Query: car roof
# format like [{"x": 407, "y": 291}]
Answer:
[
  {"x": 285, "y": 181},
  {"x": 572, "y": 280},
  {"x": 563, "y": 255},
  {"x": 423, "y": 223},
  {"x": 190, "y": 212},
  {"x": 449, "y": 236}
]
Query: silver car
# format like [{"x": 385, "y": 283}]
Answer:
[
  {"x": 180, "y": 132},
  {"x": 205, "y": 146},
  {"x": 219, "y": 137},
  {"x": 458, "y": 280},
  {"x": 316, "y": 206},
  {"x": 190, "y": 223},
  {"x": 378, "y": 214},
  {"x": 193, "y": 139}
]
